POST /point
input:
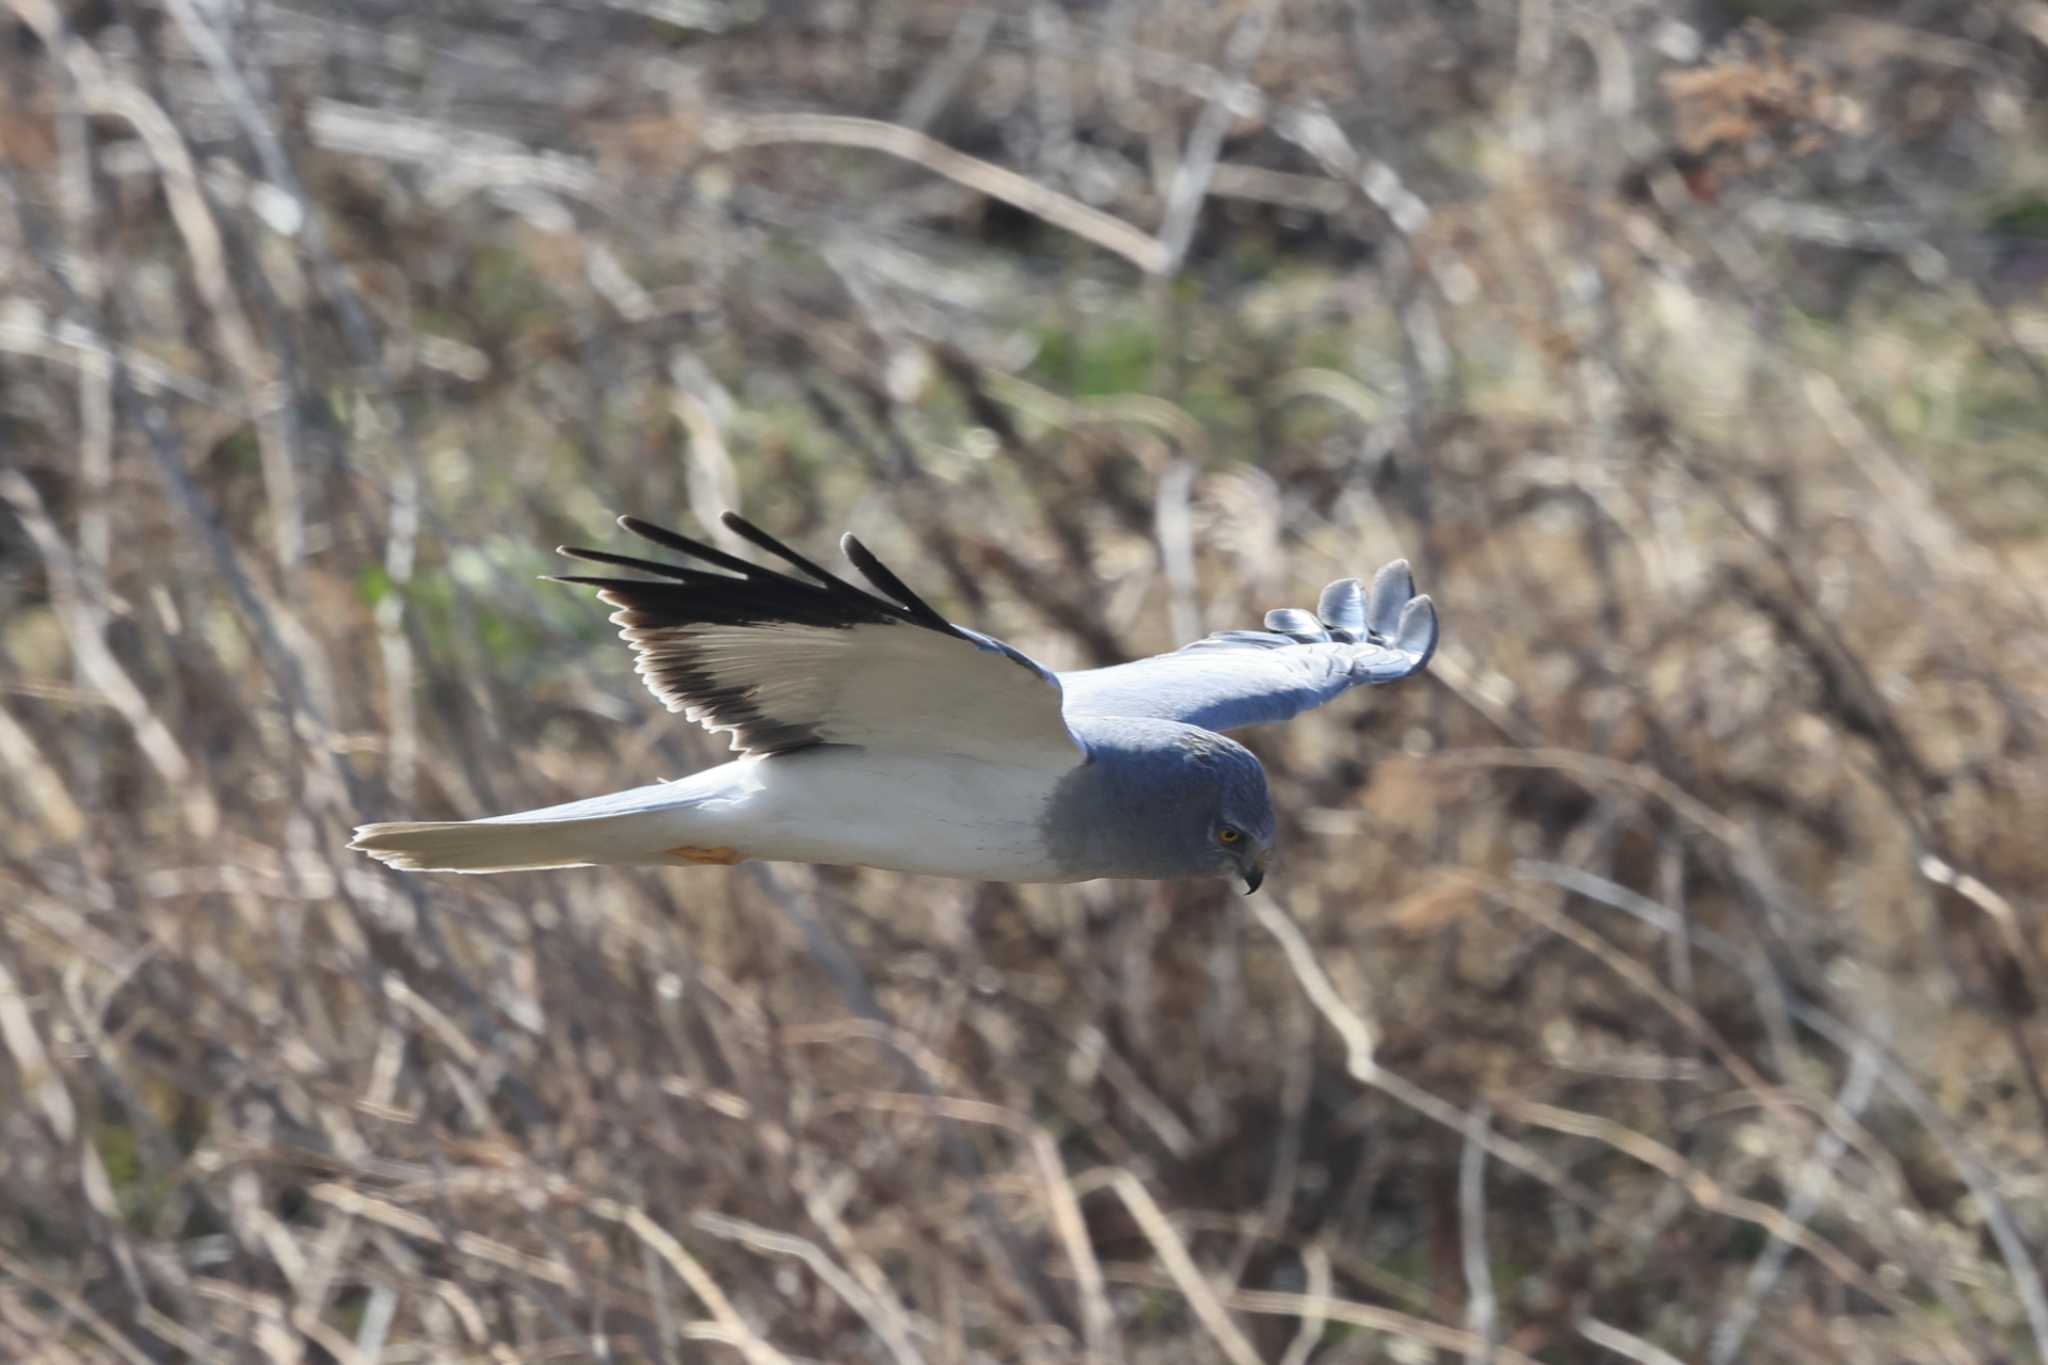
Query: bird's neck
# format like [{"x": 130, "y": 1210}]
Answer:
[{"x": 1123, "y": 812}]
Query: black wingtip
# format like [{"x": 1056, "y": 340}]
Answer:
[
  {"x": 761, "y": 540},
  {"x": 885, "y": 581},
  {"x": 689, "y": 545},
  {"x": 757, "y": 588},
  {"x": 674, "y": 572}
]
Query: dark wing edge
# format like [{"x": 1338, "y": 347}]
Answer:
[{"x": 737, "y": 593}]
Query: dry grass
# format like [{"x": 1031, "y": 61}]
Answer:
[{"x": 1661, "y": 978}]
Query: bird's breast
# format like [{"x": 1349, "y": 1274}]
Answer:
[{"x": 930, "y": 813}]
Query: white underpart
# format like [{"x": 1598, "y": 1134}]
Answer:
[{"x": 939, "y": 814}]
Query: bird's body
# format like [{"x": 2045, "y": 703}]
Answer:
[
  {"x": 874, "y": 733},
  {"x": 833, "y": 804},
  {"x": 844, "y": 806}
]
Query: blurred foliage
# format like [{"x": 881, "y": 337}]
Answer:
[{"x": 1660, "y": 978}]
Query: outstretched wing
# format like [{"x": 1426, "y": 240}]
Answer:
[
  {"x": 1302, "y": 659},
  {"x": 785, "y": 664}
]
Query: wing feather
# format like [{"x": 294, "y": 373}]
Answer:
[
  {"x": 784, "y": 664},
  {"x": 1355, "y": 637},
  {"x": 878, "y": 573}
]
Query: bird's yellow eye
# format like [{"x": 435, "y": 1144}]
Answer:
[{"x": 1225, "y": 834}]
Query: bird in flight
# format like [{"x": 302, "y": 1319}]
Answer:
[{"x": 873, "y": 732}]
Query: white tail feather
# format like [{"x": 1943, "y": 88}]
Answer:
[
  {"x": 638, "y": 826},
  {"x": 474, "y": 846}
]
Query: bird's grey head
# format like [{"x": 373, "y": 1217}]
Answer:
[
  {"x": 1238, "y": 837},
  {"x": 1166, "y": 800}
]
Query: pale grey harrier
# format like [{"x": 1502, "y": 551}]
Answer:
[{"x": 872, "y": 731}]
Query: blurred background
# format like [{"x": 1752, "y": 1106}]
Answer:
[{"x": 1658, "y": 979}]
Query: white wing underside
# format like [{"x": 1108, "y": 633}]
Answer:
[
  {"x": 891, "y": 686},
  {"x": 786, "y": 662}
]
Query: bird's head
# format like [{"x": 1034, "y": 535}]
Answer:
[
  {"x": 1163, "y": 800},
  {"x": 1234, "y": 825}
]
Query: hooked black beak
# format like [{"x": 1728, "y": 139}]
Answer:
[{"x": 1255, "y": 875}]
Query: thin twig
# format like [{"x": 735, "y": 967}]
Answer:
[
  {"x": 1315, "y": 1319},
  {"x": 728, "y": 132},
  {"x": 1062, "y": 1201},
  {"x": 1622, "y": 1343},
  {"x": 1710, "y": 1194},
  {"x": 1368, "y": 1316},
  {"x": 889, "y": 1326},
  {"x": 1358, "y": 1035},
  {"x": 691, "y": 1272},
  {"x": 1181, "y": 1269},
  {"x": 1811, "y": 1187},
  {"x": 1191, "y": 178},
  {"x": 102, "y": 670},
  {"x": 1482, "y": 1310}
]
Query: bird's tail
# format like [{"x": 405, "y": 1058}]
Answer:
[{"x": 641, "y": 826}]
